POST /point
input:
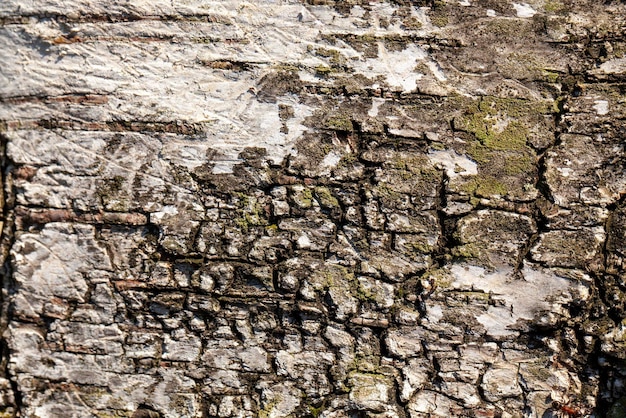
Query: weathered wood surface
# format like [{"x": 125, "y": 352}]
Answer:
[{"x": 313, "y": 208}]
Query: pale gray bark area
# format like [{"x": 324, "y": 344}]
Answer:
[{"x": 313, "y": 208}]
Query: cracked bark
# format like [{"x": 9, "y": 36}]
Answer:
[{"x": 382, "y": 209}]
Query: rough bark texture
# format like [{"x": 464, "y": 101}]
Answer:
[{"x": 313, "y": 208}]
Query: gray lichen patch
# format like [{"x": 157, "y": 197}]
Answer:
[
  {"x": 592, "y": 180},
  {"x": 493, "y": 237},
  {"x": 578, "y": 249}
]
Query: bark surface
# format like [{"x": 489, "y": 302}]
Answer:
[{"x": 313, "y": 208}]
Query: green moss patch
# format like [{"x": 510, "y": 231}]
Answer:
[
  {"x": 339, "y": 122},
  {"x": 497, "y": 139},
  {"x": 485, "y": 186}
]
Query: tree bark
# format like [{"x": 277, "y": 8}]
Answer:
[{"x": 313, "y": 208}]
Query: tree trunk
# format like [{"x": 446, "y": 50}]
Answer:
[{"x": 313, "y": 208}]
